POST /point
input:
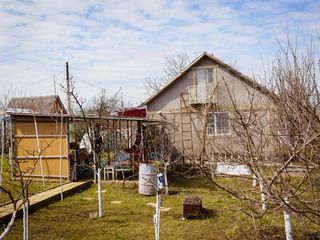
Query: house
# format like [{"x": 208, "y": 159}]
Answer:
[
  {"x": 38, "y": 104},
  {"x": 204, "y": 102}
]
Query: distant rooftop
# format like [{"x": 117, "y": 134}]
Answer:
[{"x": 36, "y": 104}]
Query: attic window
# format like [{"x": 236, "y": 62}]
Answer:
[{"x": 204, "y": 76}]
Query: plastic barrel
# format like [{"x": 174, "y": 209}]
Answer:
[{"x": 147, "y": 179}]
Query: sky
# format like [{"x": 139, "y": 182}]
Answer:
[{"x": 117, "y": 44}]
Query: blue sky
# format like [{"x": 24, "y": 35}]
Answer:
[{"x": 113, "y": 44}]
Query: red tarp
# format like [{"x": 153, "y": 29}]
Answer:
[{"x": 134, "y": 113}]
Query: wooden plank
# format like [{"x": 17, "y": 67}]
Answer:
[{"x": 43, "y": 199}]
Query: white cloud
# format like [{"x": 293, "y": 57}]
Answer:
[{"x": 114, "y": 44}]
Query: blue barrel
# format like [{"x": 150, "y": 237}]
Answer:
[{"x": 147, "y": 179}]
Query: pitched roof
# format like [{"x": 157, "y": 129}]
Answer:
[
  {"x": 235, "y": 72},
  {"x": 38, "y": 104}
]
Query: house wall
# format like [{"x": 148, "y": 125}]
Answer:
[
  {"x": 169, "y": 100},
  {"x": 231, "y": 93}
]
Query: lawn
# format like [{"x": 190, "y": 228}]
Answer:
[
  {"x": 132, "y": 219},
  {"x": 35, "y": 186}
]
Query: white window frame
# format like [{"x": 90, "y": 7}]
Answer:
[{"x": 213, "y": 130}]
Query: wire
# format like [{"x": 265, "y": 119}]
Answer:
[
  {"x": 32, "y": 83},
  {"x": 94, "y": 85}
]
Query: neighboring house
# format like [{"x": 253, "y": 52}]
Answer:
[
  {"x": 207, "y": 96},
  {"x": 39, "y": 104}
]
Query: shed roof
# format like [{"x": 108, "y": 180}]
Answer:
[{"x": 38, "y": 104}]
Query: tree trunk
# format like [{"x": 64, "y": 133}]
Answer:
[
  {"x": 8, "y": 228},
  {"x": 99, "y": 192}
]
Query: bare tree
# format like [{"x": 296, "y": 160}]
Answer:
[
  {"x": 96, "y": 127},
  {"x": 104, "y": 105},
  {"x": 173, "y": 66},
  {"x": 274, "y": 138},
  {"x": 161, "y": 148},
  {"x": 17, "y": 188}
]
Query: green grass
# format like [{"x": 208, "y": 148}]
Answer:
[
  {"x": 132, "y": 219},
  {"x": 14, "y": 186}
]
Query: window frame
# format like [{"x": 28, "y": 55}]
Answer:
[
  {"x": 214, "y": 74},
  {"x": 214, "y": 127}
]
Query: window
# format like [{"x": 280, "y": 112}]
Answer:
[
  {"x": 204, "y": 76},
  {"x": 218, "y": 123}
]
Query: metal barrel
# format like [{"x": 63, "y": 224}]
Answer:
[{"x": 147, "y": 179}]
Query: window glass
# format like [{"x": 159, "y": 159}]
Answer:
[
  {"x": 218, "y": 123},
  {"x": 210, "y": 125},
  {"x": 210, "y": 75},
  {"x": 201, "y": 76},
  {"x": 222, "y": 123}
]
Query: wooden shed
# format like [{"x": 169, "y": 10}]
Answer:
[{"x": 40, "y": 143}]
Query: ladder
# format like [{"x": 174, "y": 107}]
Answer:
[{"x": 186, "y": 124}]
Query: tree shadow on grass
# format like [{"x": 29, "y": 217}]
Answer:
[
  {"x": 173, "y": 192},
  {"x": 209, "y": 213}
]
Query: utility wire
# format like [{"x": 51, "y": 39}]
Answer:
[{"x": 94, "y": 85}]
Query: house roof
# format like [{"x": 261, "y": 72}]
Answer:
[
  {"x": 235, "y": 72},
  {"x": 38, "y": 104}
]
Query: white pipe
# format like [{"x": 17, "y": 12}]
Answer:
[
  {"x": 99, "y": 193},
  {"x": 61, "y": 187},
  {"x": 39, "y": 149},
  {"x": 287, "y": 222}
]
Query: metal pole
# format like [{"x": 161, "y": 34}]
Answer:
[
  {"x": 68, "y": 88},
  {"x": 61, "y": 187}
]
